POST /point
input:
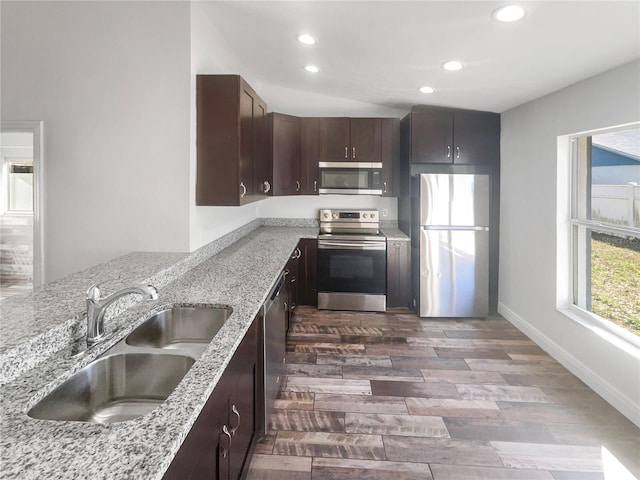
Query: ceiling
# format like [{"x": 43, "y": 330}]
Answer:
[{"x": 381, "y": 52}]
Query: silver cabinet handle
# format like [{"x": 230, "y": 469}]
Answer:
[
  {"x": 266, "y": 186},
  {"x": 244, "y": 190},
  {"x": 297, "y": 186},
  {"x": 384, "y": 187},
  {"x": 457, "y": 152},
  {"x": 225, "y": 450},
  {"x": 315, "y": 185},
  {"x": 293, "y": 280},
  {"x": 298, "y": 253},
  {"x": 448, "y": 151},
  {"x": 353, "y": 155},
  {"x": 286, "y": 272},
  {"x": 233, "y": 430},
  {"x": 346, "y": 152}
]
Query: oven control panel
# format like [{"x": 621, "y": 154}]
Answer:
[{"x": 328, "y": 215}]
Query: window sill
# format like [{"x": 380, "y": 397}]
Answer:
[{"x": 618, "y": 336}]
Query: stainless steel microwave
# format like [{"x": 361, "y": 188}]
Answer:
[{"x": 352, "y": 178}]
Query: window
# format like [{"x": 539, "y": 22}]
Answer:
[
  {"x": 20, "y": 186},
  {"x": 605, "y": 223}
]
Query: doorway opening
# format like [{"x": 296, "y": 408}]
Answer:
[{"x": 21, "y": 259}]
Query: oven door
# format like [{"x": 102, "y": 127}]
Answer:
[{"x": 352, "y": 266}]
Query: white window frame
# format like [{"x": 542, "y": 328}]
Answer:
[{"x": 567, "y": 266}]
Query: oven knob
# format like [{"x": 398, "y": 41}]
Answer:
[
  {"x": 373, "y": 215},
  {"x": 326, "y": 215},
  {"x": 335, "y": 215},
  {"x": 364, "y": 215}
]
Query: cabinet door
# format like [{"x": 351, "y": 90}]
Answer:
[
  {"x": 390, "y": 156},
  {"x": 308, "y": 272},
  {"x": 432, "y": 137},
  {"x": 262, "y": 171},
  {"x": 242, "y": 405},
  {"x": 398, "y": 273},
  {"x": 246, "y": 145},
  {"x": 201, "y": 455},
  {"x": 218, "y": 446},
  {"x": 217, "y": 140},
  {"x": 231, "y": 141},
  {"x": 285, "y": 154},
  {"x": 365, "y": 140},
  {"x": 242, "y": 422},
  {"x": 291, "y": 279},
  {"x": 310, "y": 154},
  {"x": 334, "y": 139},
  {"x": 476, "y": 138}
]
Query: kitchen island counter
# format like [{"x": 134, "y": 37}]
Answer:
[{"x": 239, "y": 275}]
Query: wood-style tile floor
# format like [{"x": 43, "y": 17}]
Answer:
[{"x": 394, "y": 397}]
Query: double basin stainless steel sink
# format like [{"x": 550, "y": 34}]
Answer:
[{"x": 138, "y": 373}]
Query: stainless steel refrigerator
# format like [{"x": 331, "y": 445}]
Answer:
[{"x": 453, "y": 230}]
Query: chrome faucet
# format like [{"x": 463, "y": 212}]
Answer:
[{"x": 97, "y": 306}]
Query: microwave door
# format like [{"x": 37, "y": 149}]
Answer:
[{"x": 349, "y": 179}]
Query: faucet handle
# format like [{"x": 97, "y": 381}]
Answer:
[
  {"x": 151, "y": 291},
  {"x": 94, "y": 292}
]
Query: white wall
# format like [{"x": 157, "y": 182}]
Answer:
[
  {"x": 112, "y": 83},
  {"x": 530, "y": 223},
  {"x": 110, "y": 80},
  {"x": 307, "y": 206},
  {"x": 210, "y": 53}
]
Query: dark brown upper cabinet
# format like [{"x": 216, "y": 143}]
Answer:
[
  {"x": 285, "y": 137},
  {"x": 310, "y": 155},
  {"x": 476, "y": 137},
  {"x": 463, "y": 137},
  {"x": 294, "y": 154},
  {"x": 232, "y": 163},
  {"x": 390, "y": 148},
  {"x": 350, "y": 139}
]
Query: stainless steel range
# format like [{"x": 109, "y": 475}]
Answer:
[{"x": 352, "y": 261}]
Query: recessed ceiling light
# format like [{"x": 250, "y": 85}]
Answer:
[
  {"x": 306, "y": 39},
  {"x": 452, "y": 66},
  {"x": 311, "y": 68},
  {"x": 510, "y": 13},
  {"x": 427, "y": 89}
]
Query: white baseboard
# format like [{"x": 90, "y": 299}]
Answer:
[{"x": 621, "y": 402}]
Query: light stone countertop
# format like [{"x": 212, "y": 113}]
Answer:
[
  {"x": 239, "y": 270},
  {"x": 394, "y": 233}
]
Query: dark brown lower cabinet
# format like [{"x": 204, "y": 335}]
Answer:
[
  {"x": 308, "y": 272},
  {"x": 220, "y": 443},
  {"x": 291, "y": 285},
  {"x": 398, "y": 273}
]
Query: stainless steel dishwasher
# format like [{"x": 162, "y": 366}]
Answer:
[{"x": 275, "y": 332}]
